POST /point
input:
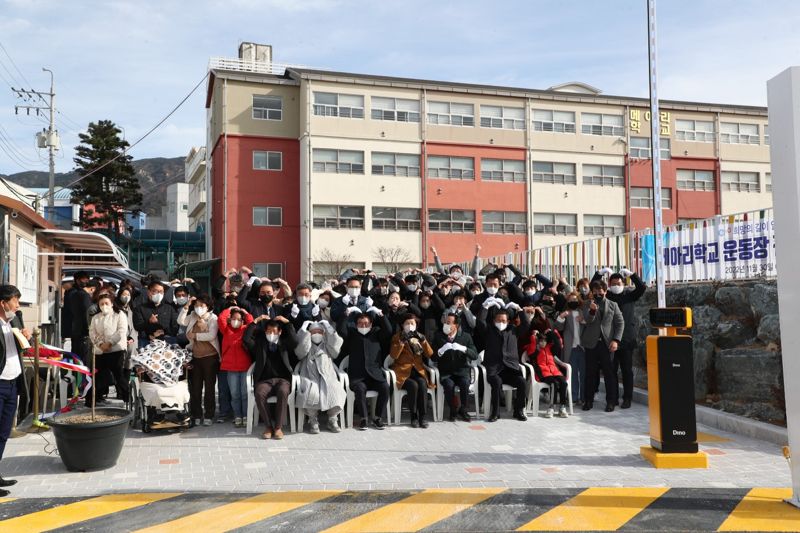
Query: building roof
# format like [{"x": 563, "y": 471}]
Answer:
[
  {"x": 60, "y": 193},
  {"x": 86, "y": 248},
  {"x": 24, "y": 211}
]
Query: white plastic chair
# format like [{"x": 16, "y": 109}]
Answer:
[
  {"x": 301, "y": 412},
  {"x": 349, "y": 407},
  {"x": 475, "y": 375},
  {"x": 252, "y": 410},
  {"x": 507, "y": 390},
  {"x": 536, "y": 386},
  {"x": 397, "y": 395}
]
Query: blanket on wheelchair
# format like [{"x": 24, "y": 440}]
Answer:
[{"x": 163, "y": 362}]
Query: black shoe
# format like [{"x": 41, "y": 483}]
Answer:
[
  {"x": 7, "y": 482},
  {"x": 4, "y": 493},
  {"x": 587, "y": 406},
  {"x": 626, "y": 404},
  {"x": 452, "y": 417},
  {"x": 610, "y": 408},
  {"x": 492, "y": 418},
  {"x": 423, "y": 423},
  {"x": 378, "y": 423},
  {"x": 414, "y": 422},
  {"x": 464, "y": 415},
  {"x": 362, "y": 426},
  {"x": 520, "y": 415}
]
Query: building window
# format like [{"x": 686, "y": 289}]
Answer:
[
  {"x": 267, "y": 216},
  {"x": 338, "y": 161},
  {"x": 554, "y": 173},
  {"x": 640, "y": 148},
  {"x": 504, "y": 222},
  {"x": 604, "y": 175},
  {"x": 267, "y": 160},
  {"x": 339, "y": 216},
  {"x": 598, "y": 124},
  {"x": 185, "y": 207},
  {"x": 397, "y": 109},
  {"x": 507, "y": 118},
  {"x": 555, "y": 224},
  {"x": 766, "y": 134},
  {"x": 455, "y": 168},
  {"x": 603, "y": 224},
  {"x": 694, "y": 130},
  {"x": 554, "y": 121},
  {"x": 267, "y": 107},
  {"x": 768, "y": 181},
  {"x": 268, "y": 270},
  {"x": 451, "y": 221},
  {"x": 695, "y": 180},
  {"x": 502, "y": 170},
  {"x": 339, "y": 105},
  {"x": 451, "y": 113},
  {"x": 386, "y": 164},
  {"x": 736, "y": 133},
  {"x": 739, "y": 181},
  {"x": 643, "y": 197},
  {"x": 395, "y": 218}
]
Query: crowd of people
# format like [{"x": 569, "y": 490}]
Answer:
[{"x": 360, "y": 324}]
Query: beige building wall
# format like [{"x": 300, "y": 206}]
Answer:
[
  {"x": 577, "y": 142},
  {"x": 475, "y": 134},
  {"x": 693, "y": 148},
  {"x": 745, "y": 152},
  {"x": 737, "y": 202}
]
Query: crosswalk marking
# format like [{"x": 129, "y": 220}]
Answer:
[
  {"x": 4, "y": 500},
  {"x": 416, "y": 512},
  {"x": 66, "y": 515},
  {"x": 598, "y": 509},
  {"x": 242, "y": 513},
  {"x": 763, "y": 510}
]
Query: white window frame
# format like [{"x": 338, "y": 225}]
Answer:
[
  {"x": 687, "y": 131},
  {"x": 768, "y": 181},
  {"x": 603, "y": 178},
  {"x": 609, "y": 225},
  {"x": 267, "y": 113},
  {"x": 391, "y": 111},
  {"x": 731, "y": 180},
  {"x": 267, "y": 211},
  {"x": 644, "y": 152},
  {"x": 451, "y": 225},
  {"x": 337, "y": 166},
  {"x": 687, "y": 180},
  {"x": 505, "y": 226},
  {"x": 267, "y": 155},
  {"x": 262, "y": 270},
  {"x": 460, "y": 120},
  {"x": 642, "y": 202},
  {"x": 551, "y": 176},
  {"x": 737, "y": 137},
  {"x": 504, "y": 174},
  {"x": 612, "y": 130},
  {"x": 340, "y": 221},
  {"x": 394, "y": 169},
  {"x": 766, "y": 134},
  {"x": 555, "y": 224},
  {"x": 449, "y": 172},
  {"x": 336, "y": 109},
  {"x": 405, "y": 223},
  {"x": 502, "y": 120},
  {"x": 551, "y": 125}
]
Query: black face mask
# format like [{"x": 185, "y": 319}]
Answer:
[
  {"x": 573, "y": 305},
  {"x": 266, "y": 298},
  {"x": 598, "y": 298}
]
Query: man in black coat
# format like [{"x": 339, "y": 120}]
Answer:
[
  {"x": 155, "y": 319},
  {"x": 262, "y": 305},
  {"x": 12, "y": 376},
  {"x": 79, "y": 303},
  {"x": 366, "y": 343},
  {"x": 454, "y": 353}
]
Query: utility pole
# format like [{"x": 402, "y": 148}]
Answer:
[{"x": 46, "y": 139}]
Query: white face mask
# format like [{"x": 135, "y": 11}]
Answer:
[
  {"x": 616, "y": 289},
  {"x": 475, "y": 293},
  {"x": 10, "y": 315},
  {"x": 492, "y": 290},
  {"x": 448, "y": 329},
  {"x": 425, "y": 305},
  {"x": 353, "y": 292},
  {"x": 456, "y": 275},
  {"x": 364, "y": 331},
  {"x": 501, "y": 326},
  {"x": 317, "y": 338},
  {"x": 105, "y": 309},
  {"x": 584, "y": 291},
  {"x": 273, "y": 337},
  {"x": 384, "y": 290},
  {"x": 408, "y": 328},
  {"x": 156, "y": 298},
  {"x": 200, "y": 311},
  {"x": 236, "y": 324},
  {"x": 125, "y": 299},
  {"x": 411, "y": 287},
  {"x": 182, "y": 300},
  {"x": 529, "y": 293},
  {"x": 303, "y": 300},
  {"x": 322, "y": 303}
]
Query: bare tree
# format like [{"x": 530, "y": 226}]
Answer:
[
  {"x": 328, "y": 264},
  {"x": 394, "y": 258}
]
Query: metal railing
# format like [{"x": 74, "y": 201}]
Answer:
[{"x": 257, "y": 67}]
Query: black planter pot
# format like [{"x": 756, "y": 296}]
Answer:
[{"x": 93, "y": 445}]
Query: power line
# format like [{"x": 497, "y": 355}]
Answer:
[
  {"x": 140, "y": 139},
  {"x": 4, "y": 134},
  {"x": 28, "y": 83}
]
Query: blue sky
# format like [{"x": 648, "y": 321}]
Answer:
[{"x": 132, "y": 61}]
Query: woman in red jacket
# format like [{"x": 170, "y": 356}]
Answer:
[
  {"x": 235, "y": 359},
  {"x": 547, "y": 365}
]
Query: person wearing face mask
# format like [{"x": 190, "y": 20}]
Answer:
[
  {"x": 380, "y": 293},
  {"x": 455, "y": 271},
  {"x": 583, "y": 289},
  {"x": 319, "y": 389},
  {"x": 232, "y": 323},
  {"x": 543, "y": 351},
  {"x": 352, "y": 304},
  {"x": 502, "y": 357},
  {"x": 601, "y": 337},
  {"x": 411, "y": 352},
  {"x": 303, "y": 309},
  {"x": 108, "y": 333},
  {"x": 460, "y": 308},
  {"x": 258, "y": 297},
  {"x": 626, "y": 300},
  {"x": 366, "y": 341},
  {"x": 492, "y": 284},
  {"x": 79, "y": 281},
  {"x": 570, "y": 324},
  {"x": 123, "y": 302},
  {"x": 79, "y": 303},
  {"x": 154, "y": 319},
  {"x": 201, "y": 330},
  {"x": 324, "y": 303},
  {"x": 431, "y": 308},
  {"x": 454, "y": 353}
]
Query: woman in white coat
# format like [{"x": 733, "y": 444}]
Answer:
[
  {"x": 108, "y": 332},
  {"x": 319, "y": 388},
  {"x": 201, "y": 330}
]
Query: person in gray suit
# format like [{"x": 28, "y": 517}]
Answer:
[
  {"x": 601, "y": 337},
  {"x": 569, "y": 324}
]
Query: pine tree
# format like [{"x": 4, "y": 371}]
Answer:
[{"x": 113, "y": 190}]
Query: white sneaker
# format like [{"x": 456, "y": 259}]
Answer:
[
  {"x": 207, "y": 422},
  {"x": 237, "y": 422},
  {"x": 549, "y": 413},
  {"x": 563, "y": 412},
  {"x": 198, "y": 421},
  {"x": 313, "y": 427},
  {"x": 333, "y": 426}
]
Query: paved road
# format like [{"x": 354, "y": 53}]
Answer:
[{"x": 485, "y": 509}]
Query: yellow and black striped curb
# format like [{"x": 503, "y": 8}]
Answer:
[{"x": 484, "y": 509}]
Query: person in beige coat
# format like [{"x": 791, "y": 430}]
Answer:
[
  {"x": 108, "y": 332},
  {"x": 201, "y": 330}
]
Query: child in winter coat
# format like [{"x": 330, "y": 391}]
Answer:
[
  {"x": 543, "y": 350},
  {"x": 232, "y": 322}
]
